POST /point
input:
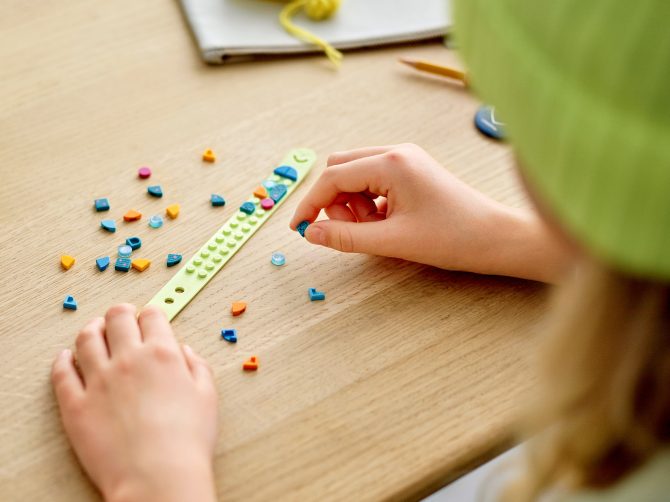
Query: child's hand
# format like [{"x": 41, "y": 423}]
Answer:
[
  {"x": 141, "y": 413},
  {"x": 398, "y": 201}
]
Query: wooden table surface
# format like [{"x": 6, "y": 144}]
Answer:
[{"x": 405, "y": 377}]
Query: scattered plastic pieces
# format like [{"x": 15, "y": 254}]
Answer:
[
  {"x": 278, "y": 259},
  {"x": 267, "y": 203},
  {"x": 122, "y": 264},
  {"x": 229, "y": 335},
  {"x": 102, "y": 263},
  {"x": 125, "y": 251},
  {"x": 66, "y": 261},
  {"x": 134, "y": 242},
  {"x": 156, "y": 221},
  {"x": 173, "y": 259},
  {"x": 101, "y": 204},
  {"x": 287, "y": 172},
  {"x": 209, "y": 156},
  {"x": 277, "y": 192},
  {"x": 260, "y": 192},
  {"x": 302, "y": 227},
  {"x": 238, "y": 308},
  {"x": 250, "y": 364},
  {"x": 132, "y": 215},
  {"x": 141, "y": 264},
  {"x": 217, "y": 200},
  {"x": 70, "y": 303},
  {"x": 315, "y": 295},
  {"x": 155, "y": 191},
  {"x": 144, "y": 172},
  {"x": 172, "y": 211},
  {"x": 109, "y": 225},
  {"x": 248, "y": 207}
]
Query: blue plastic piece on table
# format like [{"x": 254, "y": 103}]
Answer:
[
  {"x": 134, "y": 242},
  {"x": 102, "y": 263},
  {"x": 156, "y": 221},
  {"x": 125, "y": 251},
  {"x": 229, "y": 335},
  {"x": 302, "y": 227},
  {"x": 486, "y": 122},
  {"x": 122, "y": 264},
  {"x": 70, "y": 303},
  {"x": 248, "y": 207},
  {"x": 102, "y": 204},
  {"x": 315, "y": 295},
  {"x": 155, "y": 190},
  {"x": 268, "y": 184},
  {"x": 287, "y": 172},
  {"x": 109, "y": 225},
  {"x": 217, "y": 200},
  {"x": 278, "y": 259},
  {"x": 173, "y": 259},
  {"x": 277, "y": 192}
]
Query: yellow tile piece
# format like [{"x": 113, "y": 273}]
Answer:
[
  {"x": 209, "y": 156},
  {"x": 66, "y": 261},
  {"x": 172, "y": 211},
  {"x": 141, "y": 264}
]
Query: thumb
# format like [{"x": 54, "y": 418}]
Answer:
[{"x": 371, "y": 237}]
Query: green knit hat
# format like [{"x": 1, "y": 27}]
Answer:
[{"x": 584, "y": 88}]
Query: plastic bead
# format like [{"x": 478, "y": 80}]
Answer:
[
  {"x": 132, "y": 215},
  {"x": 122, "y": 264},
  {"x": 287, "y": 172},
  {"x": 238, "y": 308},
  {"x": 267, "y": 203},
  {"x": 250, "y": 364},
  {"x": 173, "y": 259},
  {"x": 125, "y": 251},
  {"x": 278, "y": 259},
  {"x": 109, "y": 225},
  {"x": 134, "y": 242},
  {"x": 217, "y": 200},
  {"x": 70, "y": 303},
  {"x": 141, "y": 264},
  {"x": 302, "y": 227},
  {"x": 144, "y": 172},
  {"x": 260, "y": 192},
  {"x": 101, "y": 205},
  {"x": 229, "y": 335},
  {"x": 172, "y": 211},
  {"x": 209, "y": 156},
  {"x": 66, "y": 261},
  {"x": 155, "y": 191},
  {"x": 102, "y": 263},
  {"x": 156, "y": 221},
  {"x": 277, "y": 192},
  {"x": 315, "y": 295},
  {"x": 248, "y": 207}
]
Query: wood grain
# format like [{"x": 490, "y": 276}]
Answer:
[{"x": 403, "y": 379}]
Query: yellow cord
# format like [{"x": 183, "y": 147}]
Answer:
[{"x": 317, "y": 10}]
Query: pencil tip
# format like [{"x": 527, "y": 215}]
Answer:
[{"x": 406, "y": 61}]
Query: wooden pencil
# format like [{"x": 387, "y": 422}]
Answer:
[{"x": 436, "y": 69}]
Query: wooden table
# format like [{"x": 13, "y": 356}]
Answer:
[{"x": 403, "y": 379}]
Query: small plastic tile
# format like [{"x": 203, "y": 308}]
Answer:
[
  {"x": 141, "y": 264},
  {"x": 124, "y": 251},
  {"x": 248, "y": 207},
  {"x": 209, "y": 156},
  {"x": 315, "y": 295},
  {"x": 102, "y": 204},
  {"x": 217, "y": 200},
  {"x": 122, "y": 264},
  {"x": 132, "y": 215},
  {"x": 134, "y": 242},
  {"x": 277, "y": 192},
  {"x": 155, "y": 191},
  {"x": 229, "y": 335},
  {"x": 267, "y": 203},
  {"x": 250, "y": 364},
  {"x": 261, "y": 192},
  {"x": 278, "y": 259},
  {"x": 287, "y": 172},
  {"x": 268, "y": 184},
  {"x": 172, "y": 211},
  {"x": 173, "y": 259},
  {"x": 66, "y": 261},
  {"x": 70, "y": 303},
  {"x": 144, "y": 172},
  {"x": 156, "y": 221},
  {"x": 102, "y": 263},
  {"x": 302, "y": 227},
  {"x": 238, "y": 308},
  {"x": 109, "y": 225}
]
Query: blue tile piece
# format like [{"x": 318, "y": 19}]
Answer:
[
  {"x": 486, "y": 122},
  {"x": 173, "y": 259},
  {"x": 302, "y": 227},
  {"x": 122, "y": 264},
  {"x": 217, "y": 200},
  {"x": 156, "y": 221},
  {"x": 155, "y": 190},
  {"x": 268, "y": 184},
  {"x": 125, "y": 251},
  {"x": 134, "y": 242},
  {"x": 102, "y": 263},
  {"x": 277, "y": 192},
  {"x": 109, "y": 225},
  {"x": 70, "y": 303},
  {"x": 287, "y": 172},
  {"x": 102, "y": 204},
  {"x": 248, "y": 207},
  {"x": 315, "y": 295},
  {"x": 229, "y": 335},
  {"x": 278, "y": 259}
]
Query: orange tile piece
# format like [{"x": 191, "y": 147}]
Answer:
[
  {"x": 209, "y": 156},
  {"x": 250, "y": 364},
  {"x": 141, "y": 264},
  {"x": 261, "y": 192},
  {"x": 238, "y": 308},
  {"x": 132, "y": 215},
  {"x": 172, "y": 211},
  {"x": 66, "y": 261}
]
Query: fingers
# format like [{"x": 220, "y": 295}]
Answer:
[
  {"x": 364, "y": 208},
  {"x": 65, "y": 379},
  {"x": 155, "y": 326},
  {"x": 358, "y": 153},
  {"x": 197, "y": 365},
  {"x": 121, "y": 329},
  {"x": 340, "y": 212},
  {"x": 369, "y": 237},
  {"x": 91, "y": 348}
]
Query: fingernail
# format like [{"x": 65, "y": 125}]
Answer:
[
  {"x": 66, "y": 353},
  {"x": 316, "y": 235}
]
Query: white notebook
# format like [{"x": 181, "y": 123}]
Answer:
[{"x": 232, "y": 29}]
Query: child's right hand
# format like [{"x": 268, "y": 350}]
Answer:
[{"x": 398, "y": 201}]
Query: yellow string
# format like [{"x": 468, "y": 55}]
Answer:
[{"x": 317, "y": 10}]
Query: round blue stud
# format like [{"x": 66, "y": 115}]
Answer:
[
  {"x": 125, "y": 251},
  {"x": 278, "y": 259},
  {"x": 486, "y": 122},
  {"x": 156, "y": 221}
]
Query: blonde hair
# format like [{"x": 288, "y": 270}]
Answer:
[{"x": 605, "y": 383}]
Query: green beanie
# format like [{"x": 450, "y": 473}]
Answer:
[{"x": 584, "y": 89}]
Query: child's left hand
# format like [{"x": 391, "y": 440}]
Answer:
[{"x": 141, "y": 412}]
